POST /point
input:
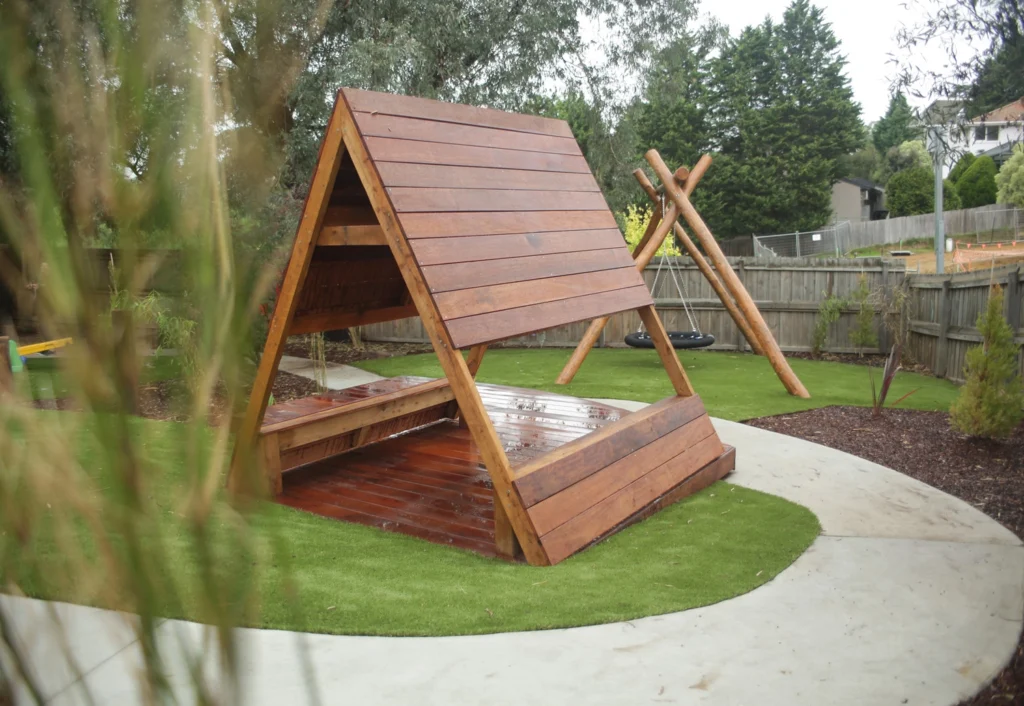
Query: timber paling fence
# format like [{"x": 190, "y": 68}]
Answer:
[
  {"x": 944, "y": 310},
  {"x": 788, "y": 291}
]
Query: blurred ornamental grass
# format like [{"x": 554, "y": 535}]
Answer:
[{"x": 124, "y": 124}]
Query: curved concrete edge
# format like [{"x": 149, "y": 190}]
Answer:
[{"x": 909, "y": 596}]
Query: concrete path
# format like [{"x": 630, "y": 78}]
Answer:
[
  {"x": 909, "y": 596},
  {"x": 339, "y": 376}
]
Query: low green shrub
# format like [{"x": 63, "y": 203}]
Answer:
[
  {"x": 977, "y": 186},
  {"x": 991, "y": 402}
]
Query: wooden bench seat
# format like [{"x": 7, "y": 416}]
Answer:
[
  {"x": 588, "y": 488},
  {"x": 302, "y": 431}
]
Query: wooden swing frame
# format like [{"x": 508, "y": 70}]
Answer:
[{"x": 677, "y": 188}]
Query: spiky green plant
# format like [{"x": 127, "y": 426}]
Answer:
[
  {"x": 829, "y": 311},
  {"x": 991, "y": 402},
  {"x": 121, "y": 124},
  {"x": 864, "y": 335}
]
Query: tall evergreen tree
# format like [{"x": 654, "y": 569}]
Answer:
[
  {"x": 676, "y": 114},
  {"x": 896, "y": 126},
  {"x": 784, "y": 115},
  {"x": 1000, "y": 78}
]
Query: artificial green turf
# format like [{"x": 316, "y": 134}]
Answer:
[
  {"x": 352, "y": 579},
  {"x": 712, "y": 546},
  {"x": 733, "y": 385},
  {"x": 321, "y": 575}
]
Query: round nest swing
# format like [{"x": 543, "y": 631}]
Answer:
[{"x": 681, "y": 340}]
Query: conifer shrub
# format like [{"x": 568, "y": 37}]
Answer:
[
  {"x": 864, "y": 334},
  {"x": 977, "y": 186},
  {"x": 962, "y": 165},
  {"x": 991, "y": 402}
]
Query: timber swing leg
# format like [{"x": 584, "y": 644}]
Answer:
[
  {"x": 653, "y": 238},
  {"x": 746, "y": 304}
]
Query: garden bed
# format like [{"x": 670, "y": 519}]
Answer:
[{"x": 986, "y": 474}]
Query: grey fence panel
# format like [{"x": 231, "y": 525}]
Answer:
[
  {"x": 788, "y": 291},
  {"x": 944, "y": 310},
  {"x": 987, "y": 224}
]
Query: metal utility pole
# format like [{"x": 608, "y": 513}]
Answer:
[{"x": 938, "y": 162}]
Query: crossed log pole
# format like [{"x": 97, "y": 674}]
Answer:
[{"x": 737, "y": 301}]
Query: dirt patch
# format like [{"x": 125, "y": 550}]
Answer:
[
  {"x": 986, "y": 474},
  {"x": 165, "y": 400}
]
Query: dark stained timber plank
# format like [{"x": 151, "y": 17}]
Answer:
[
  {"x": 594, "y": 522},
  {"x": 417, "y": 200},
  {"x": 444, "y": 251},
  {"x": 349, "y": 216},
  {"x": 428, "y": 175},
  {"x": 377, "y": 125},
  {"x": 464, "y": 275},
  {"x": 714, "y": 471},
  {"x": 317, "y": 321},
  {"x": 576, "y": 499},
  {"x": 445, "y": 225},
  {"x": 482, "y": 300},
  {"x": 570, "y": 464},
  {"x": 389, "y": 149},
  {"x": 390, "y": 104},
  {"x": 485, "y": 328}
]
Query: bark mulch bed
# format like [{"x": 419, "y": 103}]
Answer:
[
  {"x": 874, "y": 360},
  {"x": 986, "y": 474},
  {"x": 161, "y": 400}
]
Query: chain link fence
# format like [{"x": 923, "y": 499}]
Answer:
[
  {"x": 829, "y": 241},
  {"x": 986, "y": 224},
  {"x": 995, "y": 226}
]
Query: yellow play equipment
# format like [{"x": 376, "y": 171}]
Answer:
[{"x": 44, "y": 346}]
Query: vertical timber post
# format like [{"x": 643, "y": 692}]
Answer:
[
  {"x": 741, "y": 267},
  {"x": 883, "y": 339},
  {"x": 938, "y": 160}
]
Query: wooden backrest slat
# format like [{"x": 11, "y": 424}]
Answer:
[
  {"x": 405, "y": 174},
  {"x": 575, "y": 461},
  {"x": 390, "y": 104},
  {"x": 426, "y": 130},
  {"x": 487, "y": 273},
  {"x": 492, "y": 298},
  {"x": 389, "y": 149},
  {"x": 487, "y": 328},
  {"x": 454, "y": 225},
  {"x": 356, "y": 406},
  {"x": 431, "y": 200},
  {"x": 480, "y": 248}
]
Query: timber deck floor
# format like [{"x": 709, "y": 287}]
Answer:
[{"x": 431, "y": 483}]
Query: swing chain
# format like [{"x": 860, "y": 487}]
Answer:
[{"x": 678, "y": 281}]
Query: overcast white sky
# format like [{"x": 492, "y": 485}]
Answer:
[{"x": 866, "y": 30}]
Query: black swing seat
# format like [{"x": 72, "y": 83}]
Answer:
[{"x": 680, "y": 339}]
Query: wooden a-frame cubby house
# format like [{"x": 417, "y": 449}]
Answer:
[{"x": 487, "y": 225}]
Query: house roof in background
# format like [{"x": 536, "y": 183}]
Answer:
[
  {"x": 862, "y": 183},
  {"x": 1009, "y": 113}
]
